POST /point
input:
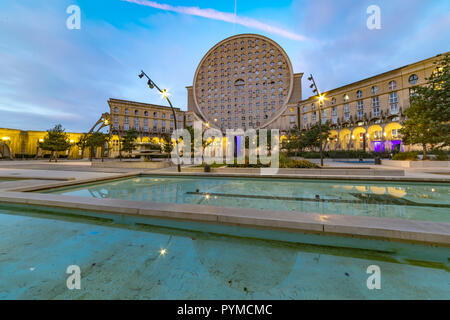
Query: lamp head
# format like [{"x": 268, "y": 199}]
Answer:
[
  {"x": 150, "y": 84},
  {"x": 141, "y": 75}
]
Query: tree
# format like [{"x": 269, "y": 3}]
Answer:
[
  {"x": 95, "y": 140},
  {"x": 311, "y": 138},
  {"x": 167, "y": 145},
  {"x": 429, "y": 113},
  {"x": 56, "y": 140},
  {"x": 82, "y": 144},
  {"x": 128, "y": 141}
]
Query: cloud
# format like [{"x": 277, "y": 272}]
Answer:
[{"x": 222, "y": 16}]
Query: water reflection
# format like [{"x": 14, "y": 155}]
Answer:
[{"x": 394, "y": 200}]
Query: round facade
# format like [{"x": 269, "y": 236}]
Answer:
[{"x": 243, "y": 82}]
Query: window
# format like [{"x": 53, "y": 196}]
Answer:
[
  {"x": 395, "y": 133},
  {"x": 313, "y": 117},
  {"x": 412, "y": 92},
  {"x": 393, "y": 101},
  {"x": 413, "y": 79},
  {"x": 136, "y": 123},
  {"x": 145, "y": 125},
  {"x": 392, "y": 85},
  {"x": 116, "y": 110},
  {"x": 136, "y": 112},
  {"x": 376, "y": 106},
  {"x": 347, "y": 112},
  {"x": 346, "y": 98},
  {"x": 324, "y": 116},
  {"x": 146, "y": 113},
  {"x": 359, "y": 94},
  {"x": 333, "y": 101},
  {"x": 360, "y": 109},
  {"x": 374, "y": 90}
]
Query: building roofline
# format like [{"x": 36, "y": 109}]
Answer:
[{"x": 141, "y": 104}]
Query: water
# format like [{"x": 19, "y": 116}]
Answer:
[
  {"x": 417, "y": 201},
  {"x": 125, "y": 262}
]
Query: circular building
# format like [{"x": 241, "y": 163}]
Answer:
[{"x": 245, "y": 81}]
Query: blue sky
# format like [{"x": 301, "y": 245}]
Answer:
[{"x": 50, "y": 74}]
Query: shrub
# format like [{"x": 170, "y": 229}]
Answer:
[
  {"x": 341, "y": 154},
  {"x": 441, "y": 155},
  {"x": 411, "y": 155},
  {"x": 286, "y": 162},
  {"x": 302, "y": 164}
]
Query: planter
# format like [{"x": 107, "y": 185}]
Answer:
[
  {"x": 132, "y": 164},
  {"x": 416, "y": 164}
]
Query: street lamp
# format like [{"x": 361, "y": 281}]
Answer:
[
  {"x": 321, "y": 99},
  {"x": 165, "y": 94}
]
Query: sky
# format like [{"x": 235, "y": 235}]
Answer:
[{"x": 50, "y": 74}]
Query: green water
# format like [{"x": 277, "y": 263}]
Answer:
[
  {"x": 125, "y": 262},
  {"x": 417, "y": 201}
]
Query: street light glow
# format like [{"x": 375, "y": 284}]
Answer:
[{"x": 165, "y": 93}]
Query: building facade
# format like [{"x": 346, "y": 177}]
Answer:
[
  {"x": 246, "y": 81},
  {"x": 368, "y": 113},
  {"x": 16, "y": 143}
]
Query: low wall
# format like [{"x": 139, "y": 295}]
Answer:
[
  {"x": 416, "y": 164},
  {"x": 133, "y": 164},
  {"x": 324, "y": 171}
]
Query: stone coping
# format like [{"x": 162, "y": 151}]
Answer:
[
  {"x": 343, "y": 171},
  {"x": 302, "y": 176},
  {"x": 17, "y": 177},
  {"x": 343, "y": 225}
]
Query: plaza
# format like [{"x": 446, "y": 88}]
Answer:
[{"x": 141, "y": 229}]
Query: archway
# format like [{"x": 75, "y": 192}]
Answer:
[
  {"x": 332, "y": 140},
  {"x": 375, "y": 138},
  {"x": 5, "y": 151},
  {"x": 392, "y": 136},
  {"x": 345, "y": 138},
  {"x": 358, "y": 138}
]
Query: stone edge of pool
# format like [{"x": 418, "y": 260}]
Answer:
[{"x": 342, "y": 225}]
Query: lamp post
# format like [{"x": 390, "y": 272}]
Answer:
[
  {"x": 165, "y": 94},
  {"x": 321, "y": 99}
]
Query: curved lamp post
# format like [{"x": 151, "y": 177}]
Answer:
[
  {"x": 165, "y": 94},
  {"x": 321, "y": 98}
]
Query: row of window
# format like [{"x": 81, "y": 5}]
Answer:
[
  {"x": 413, "y": 79},
  {"x": 155, "y": 114}
]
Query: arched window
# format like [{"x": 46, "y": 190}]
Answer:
[
  {"x": 392, "y": 85},
  {"x": 359, "y": 94},
  {"x": 413, "y": 79},
  {"x": 374, "y": 90},
  {"x": 346, "y": 98}
]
